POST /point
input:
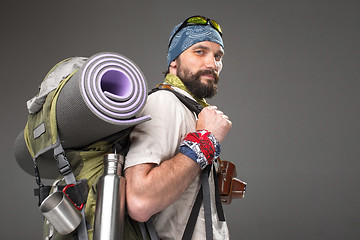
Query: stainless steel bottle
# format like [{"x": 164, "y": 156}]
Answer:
[{"x": 110, "y": 204}]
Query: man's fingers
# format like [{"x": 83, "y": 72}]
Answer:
[
  {"x": 212, "y": 107},
  {"x": 225, "y": 116}
]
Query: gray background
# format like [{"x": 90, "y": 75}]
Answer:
[{"x": 290, "y": 84}]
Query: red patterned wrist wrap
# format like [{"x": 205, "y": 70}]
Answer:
[{"x": 201, "y": 146}]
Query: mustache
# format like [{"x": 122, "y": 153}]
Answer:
[{"x": 212, "y": 72}]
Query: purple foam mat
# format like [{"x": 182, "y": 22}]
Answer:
[
  {"x": 104, "y": 97},
  {"x": 112, "y": 86}
]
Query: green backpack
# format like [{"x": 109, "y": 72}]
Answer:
[
  {"x": 82, "y": 167},
  {"x": 79, "y": 166}
]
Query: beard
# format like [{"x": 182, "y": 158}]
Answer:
[{"x": 194, "y": 84}]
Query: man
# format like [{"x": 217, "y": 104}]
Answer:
[{"x": 164, "y": 163}]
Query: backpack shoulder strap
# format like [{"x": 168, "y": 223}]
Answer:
[{"x": 188, "y": 102}]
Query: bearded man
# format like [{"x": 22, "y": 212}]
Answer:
[{"x": 168, "y": 154}]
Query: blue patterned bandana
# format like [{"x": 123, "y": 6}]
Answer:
[{"x": 190, "y": 35}]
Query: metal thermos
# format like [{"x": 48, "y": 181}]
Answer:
[{"x": 110, "y": 204}]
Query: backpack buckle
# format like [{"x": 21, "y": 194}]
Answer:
[{"x": 63, "y": 164}]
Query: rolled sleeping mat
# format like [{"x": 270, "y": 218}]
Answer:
[{"x": 102, "y": 98}]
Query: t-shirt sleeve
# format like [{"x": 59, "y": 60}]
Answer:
[{"x": 158, "y": 139}]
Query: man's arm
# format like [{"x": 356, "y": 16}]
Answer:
[{"x": 151, "y": 188}]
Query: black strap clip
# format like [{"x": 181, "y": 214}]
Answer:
[{"x": 63, "y": 164}]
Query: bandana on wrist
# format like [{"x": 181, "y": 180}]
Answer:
[{"x": 201, "y": 146}]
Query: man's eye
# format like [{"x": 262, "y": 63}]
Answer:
[{"x": 199, "y": 52}]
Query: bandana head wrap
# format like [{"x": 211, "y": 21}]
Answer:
[{"x": 189, "y": 36}]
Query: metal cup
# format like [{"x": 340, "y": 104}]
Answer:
[{"x": 61, "y": 213}]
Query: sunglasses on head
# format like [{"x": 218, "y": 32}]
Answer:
[{"x": 197, "y": 20}]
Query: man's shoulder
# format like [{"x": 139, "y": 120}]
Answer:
[
  {"x": 163, "y": 98},
  {"x": 166, "y": 103}
]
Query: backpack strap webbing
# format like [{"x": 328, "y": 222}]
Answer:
[
  {"x": 69, "y": 177},
  {"x": 188, "y": 102}
]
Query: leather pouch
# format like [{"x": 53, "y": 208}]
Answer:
[{"x": 229, "y": 186}]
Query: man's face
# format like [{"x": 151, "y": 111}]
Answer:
[{"x": 199, "y": 67}]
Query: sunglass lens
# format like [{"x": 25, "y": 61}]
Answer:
[
  {"x": 197, "y": 20},
  {"x": 216, "y": 25}
]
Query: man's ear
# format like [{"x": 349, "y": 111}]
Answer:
[
  {"x": 172, "y": 67},
  {"x": 173, "y": 64}
]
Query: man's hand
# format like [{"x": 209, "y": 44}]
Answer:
[{"x": 215, "y": 121}]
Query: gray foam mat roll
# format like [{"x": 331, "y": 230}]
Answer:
[{"x": 102, "y": 98}]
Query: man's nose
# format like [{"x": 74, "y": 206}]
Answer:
[{"x": 211, "y": 62}]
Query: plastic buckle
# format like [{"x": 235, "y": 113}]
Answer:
[
  {"x": 64, "y": 191},
  {"x": 63, "y": 164}
]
